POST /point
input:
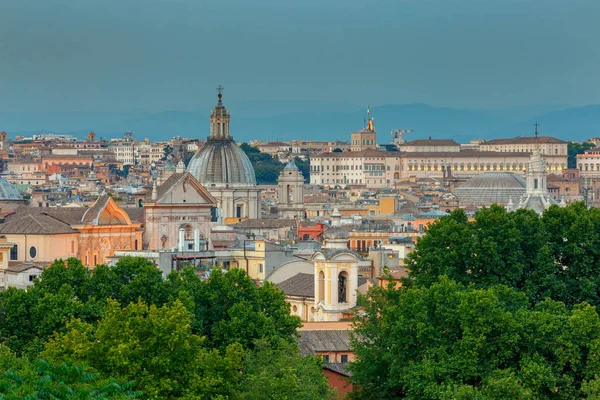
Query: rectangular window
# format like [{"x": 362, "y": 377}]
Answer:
[
  {"x": 260, "y": 268},
  {"x": 14, "y": 252},
  {"x": 326, "y": 359},
  {"x": 31, "y": 278},
  {"x": 344, "y": 358}
]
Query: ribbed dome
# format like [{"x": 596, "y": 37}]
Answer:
[
  {"x": 222, "y": 162},
  {"x": 8, "y": 191},
  {"x": 491, "y": 187}
]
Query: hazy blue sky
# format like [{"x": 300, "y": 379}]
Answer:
[{"x": 170, "y": 54}]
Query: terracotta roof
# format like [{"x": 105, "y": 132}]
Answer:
[
  {"x": 324, "y": 341},
  {"x": 358, "y": 154},
  {"x": 20, "y": 266},
  {"x": 36, "y": 224},
  {"x": 162, "y": 189},
  {"x": 339, "y": 368},
  {"x": 431, "y": 142},
  {"x": 299, "y": 285},
  {"x": 67, "y": 215},
  {"x": 526, "y": 140},
  {"x": 319, "y": 199},
  {"x": 466, "y": 153},
  {"x": 94, "y": 211},
  {"x": 136, "y": 214},
  {"x": 265, "y": 223},
  {"x": 169, "y": 184},
  {"x": 556, "y": 178}
]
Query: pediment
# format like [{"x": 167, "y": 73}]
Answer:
[
  {"x": 187, "y": 190},
  {"x": 345, "y": 257}
]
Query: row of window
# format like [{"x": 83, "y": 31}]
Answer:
[
  {"x": 14, "y": 253},
  {"x": 478, "y": 167},
  {"x": 589, "y": 167}
]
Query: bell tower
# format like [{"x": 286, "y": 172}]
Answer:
[
  {"x": 290, "y": 191},
  {"x": 536, "y": 171},
  {"x": 219, "y": 119},
  {"x": 336, "y": 274}
]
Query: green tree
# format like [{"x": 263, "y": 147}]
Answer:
[
  {"x": 230, "y": 308},
  {"x": 278, "y": 371},
  {"x": 266, "y": 168},
  {"x": 17, "y": 329},
  {"x": 554, "y": 256},
  {"x": 167, "y": 151},
  {"x": 154, "y": 348},
  {"x": 43, "y": 380},
  {"x": 454, "y": 341},
  {"x": 304, "y": 167}
]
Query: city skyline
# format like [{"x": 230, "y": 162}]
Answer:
[{"x": 64, "y": 55}]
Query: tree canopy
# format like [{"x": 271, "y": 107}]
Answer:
[
  {"x": 451, "y": 341},
  {"x": 574, "y": 148},
  {"x": 554, "y": 256},
  {"x": 498, "y": 306},
  {"x": 125, "y": 331},
  {"x": 267, "y": 169}
]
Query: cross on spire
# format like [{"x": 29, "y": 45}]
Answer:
[
  {"x": 220, "y": 90},
  {"x": 536, "y": 128}
]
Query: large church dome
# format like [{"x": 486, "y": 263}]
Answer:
[
  {"x": 8, "y": 191},
  {"x": 491, "y": 187},
  {"x": 221, "y": 161}
]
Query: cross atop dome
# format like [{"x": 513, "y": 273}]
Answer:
[{"x": 220, "y": 90}]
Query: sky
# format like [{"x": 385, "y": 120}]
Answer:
[{"x": 156, "y": 55}]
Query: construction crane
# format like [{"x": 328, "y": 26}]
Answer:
[{"x": 397, "y": 135}]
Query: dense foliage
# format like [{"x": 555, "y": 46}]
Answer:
[
  {"x": 127, "y": 328},
  {"x": 451, "y": 341},
  {"x": 20, "y": 379},
  {"x": 267, "y": 168},
  {"x": 554, "y": 256},
  {"x": 501, "y": 306}
]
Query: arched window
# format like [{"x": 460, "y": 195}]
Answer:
[
  {"x": 14, "y": 252},
  {"x": 321, "y": 286},
  {"x": 189, "y": 233},
  {"x": 343, "y": 287}
]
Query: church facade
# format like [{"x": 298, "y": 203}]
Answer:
[{"x": 177, "y": 213}]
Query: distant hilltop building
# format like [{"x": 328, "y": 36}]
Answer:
[
  {"x": 55, "y": 136},
  {"x": 225, "y": 170},
  {"x": 367, "y": 165},
  {"x": 366, "y": 138}
]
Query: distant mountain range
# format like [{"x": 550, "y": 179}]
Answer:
[{"x": 463, "y": 125}]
